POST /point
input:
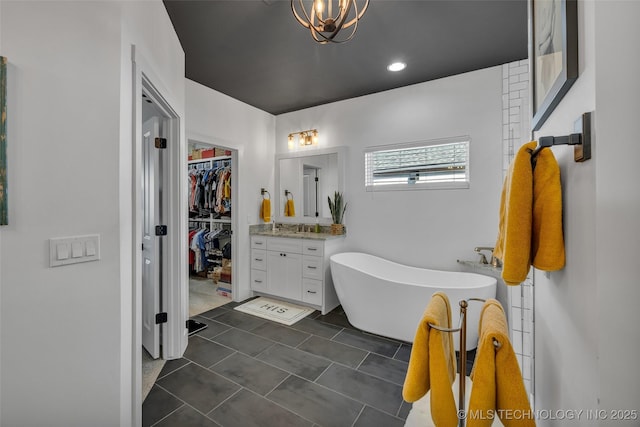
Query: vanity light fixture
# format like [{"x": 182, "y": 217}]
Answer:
[
  {"x": 326, "y": 20},
  {"x": 305, "y": 138}
]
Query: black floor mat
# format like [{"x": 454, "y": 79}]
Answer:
[{"x": 195, "y": 327}]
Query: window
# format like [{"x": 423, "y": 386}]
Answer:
[{"x": 442, "y": 163}]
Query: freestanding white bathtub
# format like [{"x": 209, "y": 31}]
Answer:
[{"x": 389, "y": 299}]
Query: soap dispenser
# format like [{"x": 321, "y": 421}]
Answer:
[{"x": 317, "y": 223}]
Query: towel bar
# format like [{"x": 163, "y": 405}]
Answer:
[{"x": 581, "y": 140}]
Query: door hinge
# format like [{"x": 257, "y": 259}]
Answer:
[
  {"x": 161, "y": 318},
  {"x": 161, "y": 230},
  {"x": 161, "y": 142},
  {"x": 316, "y": 179}
]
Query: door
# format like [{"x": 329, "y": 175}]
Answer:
[{"x": 151, "y": 244}]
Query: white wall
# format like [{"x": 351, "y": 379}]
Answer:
[
  {"x": 66, "y": 331},
  {"x": 618, "y": 204},
  {"x": 429, "y": 228},
  {"x": 218, "y": 119},
  {"x": 585, "y": 315}
]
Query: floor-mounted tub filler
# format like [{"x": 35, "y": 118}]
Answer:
[{"x": 388, "y": 299}]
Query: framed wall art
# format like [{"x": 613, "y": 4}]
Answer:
[{"x": 554, "y": 54}]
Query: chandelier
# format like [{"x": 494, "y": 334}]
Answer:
[{"x": 326, "y": 18}]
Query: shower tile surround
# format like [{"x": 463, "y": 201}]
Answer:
[{"x": 516, "y": 121}]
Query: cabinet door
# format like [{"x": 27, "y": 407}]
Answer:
[{"x": 284, "y": 274}]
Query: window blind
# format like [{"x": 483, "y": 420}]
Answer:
[{"x": 435, "y": 164}]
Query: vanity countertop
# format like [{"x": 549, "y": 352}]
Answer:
[
  {"x": 295, "y": 234},
  {"x": 292, "y": 231}
]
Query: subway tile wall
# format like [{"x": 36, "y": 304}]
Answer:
[{"x": 516, "y": 130}]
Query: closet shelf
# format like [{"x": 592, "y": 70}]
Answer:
[{"x": 219, "y": 220}]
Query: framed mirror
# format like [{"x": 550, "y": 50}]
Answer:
[{"x": 307, "y": 178}]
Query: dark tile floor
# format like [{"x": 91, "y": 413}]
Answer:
[{"x": 245, "y": 371}]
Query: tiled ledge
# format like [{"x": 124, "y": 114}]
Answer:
[{"x": 484, "y": 268}]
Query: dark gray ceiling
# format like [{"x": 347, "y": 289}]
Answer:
[{"x": 256, "y": 52}]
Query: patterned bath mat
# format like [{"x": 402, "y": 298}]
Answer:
[{"x": 277, "y": 311}]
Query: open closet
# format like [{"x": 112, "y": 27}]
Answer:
[{"x": 210, "y": 226}]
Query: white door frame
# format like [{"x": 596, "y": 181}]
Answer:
[
  {"x": 175, "y": 275},
  {"x": 152, "y": 259}
]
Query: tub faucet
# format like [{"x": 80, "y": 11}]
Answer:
[
  {"x": 495, "y": 262},
  {"x": 483, "y": 258}
]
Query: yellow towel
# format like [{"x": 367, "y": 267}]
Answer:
[
  {"x": 547, "y": 243},
  {"x": 289, "y": 208},
  {"x": 432, "y": 363},
  {"x": 265, "y": 210},
  {"x": 498, "y": 388},
  {"x": 513, "y": 246}
]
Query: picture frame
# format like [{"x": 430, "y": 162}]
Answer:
[
  {"x": 4, "y": 220},
  {"x": 553, "y": 35}
]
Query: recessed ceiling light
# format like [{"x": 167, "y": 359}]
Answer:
[{"x": 396, "y": 66}]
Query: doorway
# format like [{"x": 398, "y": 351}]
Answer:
[{"x": 211, "y": 193}]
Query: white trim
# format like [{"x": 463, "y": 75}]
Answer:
[{"x": 175, "y": 279}]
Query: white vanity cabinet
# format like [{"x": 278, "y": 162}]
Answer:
[{"x": 294, "y": 269}]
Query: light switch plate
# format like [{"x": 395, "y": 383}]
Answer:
[{"x": 75, "y": 249}]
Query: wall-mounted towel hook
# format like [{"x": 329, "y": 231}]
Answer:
[
  {"x": 581, "y": 140},
  {"x": 288, "y": 193},
  {"x": 263, "y": 191}
]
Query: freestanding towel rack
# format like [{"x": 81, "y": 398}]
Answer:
[
  {"x": 581, "y": 140},
  {"x": 462, "y": 370}
]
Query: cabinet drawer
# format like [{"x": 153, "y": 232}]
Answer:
[
  {"x": 258, "y": 242},
  {"x": 259, "y": 280},
  {"x": 312, "y": 291},
  {"x": 258, "y": 259},
  {"x": 312, "y": 267},
  {"x": 283, "y": 244},
  {"x": 313, "y": 247}
]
